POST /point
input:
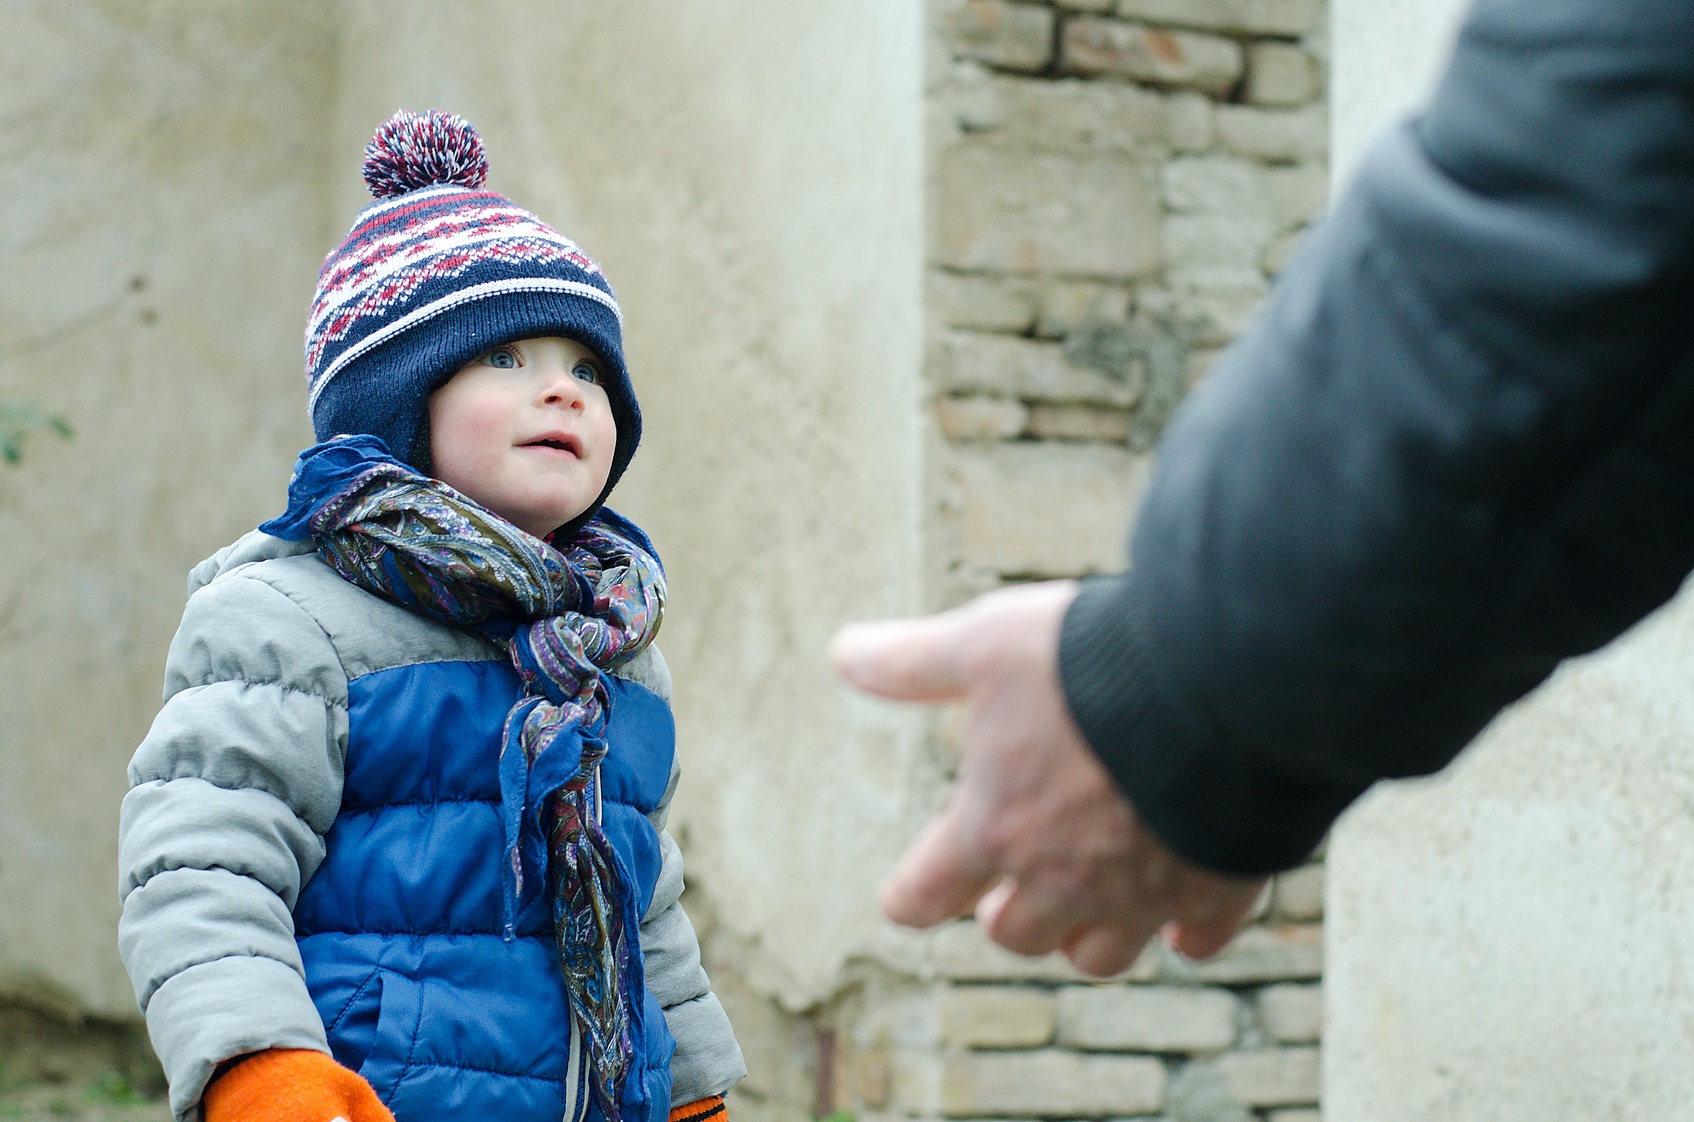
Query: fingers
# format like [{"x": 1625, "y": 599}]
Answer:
[
  {"x": 1204, "y": 930},
  {"x": 1107, "y": 948},
  {"x": 1026, "y": 918},
  {"x": 942, "y": 874},
  {"x": 1205, "y": 937},
  {"x": 904, "y": 659}
]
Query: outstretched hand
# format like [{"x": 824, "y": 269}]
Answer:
[{"x": 1036, "y": 836}]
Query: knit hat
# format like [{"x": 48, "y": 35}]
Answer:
[{"x": 435, "y": 273}]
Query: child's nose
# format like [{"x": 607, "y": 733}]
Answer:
[{"x": 561, "y": 387}]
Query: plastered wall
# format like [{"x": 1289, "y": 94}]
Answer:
[
  {"x": 749, "y": 172},
  {"x": 1506, "y": 941},
  {"x": 160, "y": 216}
]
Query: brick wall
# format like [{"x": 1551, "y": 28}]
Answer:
[{"x": 1113, "y": 183}]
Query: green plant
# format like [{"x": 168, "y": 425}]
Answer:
[
  {"x": 115, "y": 1087},
  {"x": 18, "y": 418}
]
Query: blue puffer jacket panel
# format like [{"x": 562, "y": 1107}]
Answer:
[{"x": 401, "y": 930}]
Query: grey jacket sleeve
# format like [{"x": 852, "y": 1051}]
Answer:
[
  {"x": 707, "y": 1061},
  {"x": 231, "y": 793},
  {"x": 1453, "y": 450}
]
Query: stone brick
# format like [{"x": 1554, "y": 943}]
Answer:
[
  {"x": 915, "y": 1080},
  {"x": 1216, "y": 308},
  {"x": 1066, "y": 115},
  {"x": 962, "y": 952},
  {"x": 961, "y": 100},
  {"x": 870, "y": 1078},
  {"x": 1010, "y": 367},
  {"x": 1280, "y": 251},
  {"x": 1224, "y": 213},
  {"x": 1291, "y": 1014},
  {"x": 981, "y": 418},
  {"x": 1004, "y": 513},
  {"x": 1078, "y": 422},
  {"x": 1198, "y": 1093},
  {"x": 1218, "y": 248},
  {"x": 1014, "y": 212},
  {"x": 1237, "y": 17},
  {"x": 1285, "y": 197},
  {"x": 1051, "y": 1083},
  {"x": 901, "y": 1015},
  {"x": 1146, "y": 1018},
  {"x": 998, "y": 1016},
  {"x": 1209, "y": 317},
  {"x": 1274, "y": 134},
  {"x": 1272, "y": 1076},
  {"x": 1014, "y": 36},
  {"x": 1199, "y": 363},
  {"x": 1176, "y": 59},
  {"x": 1188, "y": 122},
  {"x": 1280, "y": 74},
  {"x": 1067, "y": 305},
  {"x": 1299, "y": 894},
  {"x": 1259, "y": 954},
  {"x": 983, "y": 303}
]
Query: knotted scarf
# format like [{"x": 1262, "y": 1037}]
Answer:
[{"x": 565, "y": 612}]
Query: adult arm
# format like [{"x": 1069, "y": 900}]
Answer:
[{"x": 1454, "y": 449}]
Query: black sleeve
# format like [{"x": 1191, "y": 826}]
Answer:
[{"x": 1455, "y": 448}]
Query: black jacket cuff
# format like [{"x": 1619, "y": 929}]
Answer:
[{"x": 1210, "y": 801}]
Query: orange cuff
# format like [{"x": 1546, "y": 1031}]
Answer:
[
  {"x": 709, "y": 1109},
  {"x": 291, "y": 1085}
]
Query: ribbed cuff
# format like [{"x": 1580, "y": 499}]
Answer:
[
  {"x": 1211, "y": 802},
  {"x": 709, "y": 1109}
]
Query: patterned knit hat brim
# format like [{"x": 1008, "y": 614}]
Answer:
[
  {"x": 385, "y": 390},
  {"x": 434, "y": 274}
]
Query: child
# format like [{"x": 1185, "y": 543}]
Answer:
[{"x": 397, "y": 835}]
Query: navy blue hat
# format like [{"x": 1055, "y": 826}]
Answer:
[{"x": 435, "y": 273}]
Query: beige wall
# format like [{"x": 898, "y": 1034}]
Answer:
[
  {"x": 1506, "y": 941},
  {"x": 750, "y": 173},
  {"x": 160, "y": 224},
  {"x": 1384, "y": 58}
]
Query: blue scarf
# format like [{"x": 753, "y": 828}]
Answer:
[{"x": 565, "y": 612}]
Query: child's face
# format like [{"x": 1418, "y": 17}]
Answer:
[{"x": 527, "y": 431}]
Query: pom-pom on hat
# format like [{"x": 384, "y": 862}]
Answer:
[{"x": 436, "y": 272}]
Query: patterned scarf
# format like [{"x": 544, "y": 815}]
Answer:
[{"x": 564, "y": 612}]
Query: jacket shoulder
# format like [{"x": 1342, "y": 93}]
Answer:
[{"x": 367, "y": 633}]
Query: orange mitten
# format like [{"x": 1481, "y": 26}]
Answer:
[
  {"x": 292, "y": 1085},
  {"x": 701, "y": 1110}
]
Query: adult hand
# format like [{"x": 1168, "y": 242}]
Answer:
[{"x": 1035, "y": 835}]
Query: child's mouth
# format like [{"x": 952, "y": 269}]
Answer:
[{"x": 556, "y": 443}]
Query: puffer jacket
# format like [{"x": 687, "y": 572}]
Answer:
[{"x": 311, "y": 849}]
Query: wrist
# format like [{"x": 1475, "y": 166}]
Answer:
[
  {"x": 709, "y": 1109},
  {"x": 1211, "y": 802}
]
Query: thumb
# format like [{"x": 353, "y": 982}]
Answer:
[{"x": 916, "y": 659}]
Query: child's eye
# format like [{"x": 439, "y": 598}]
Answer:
[
  {"x": 501, "y": 358},
  {"x": 586, "y": 372}
]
